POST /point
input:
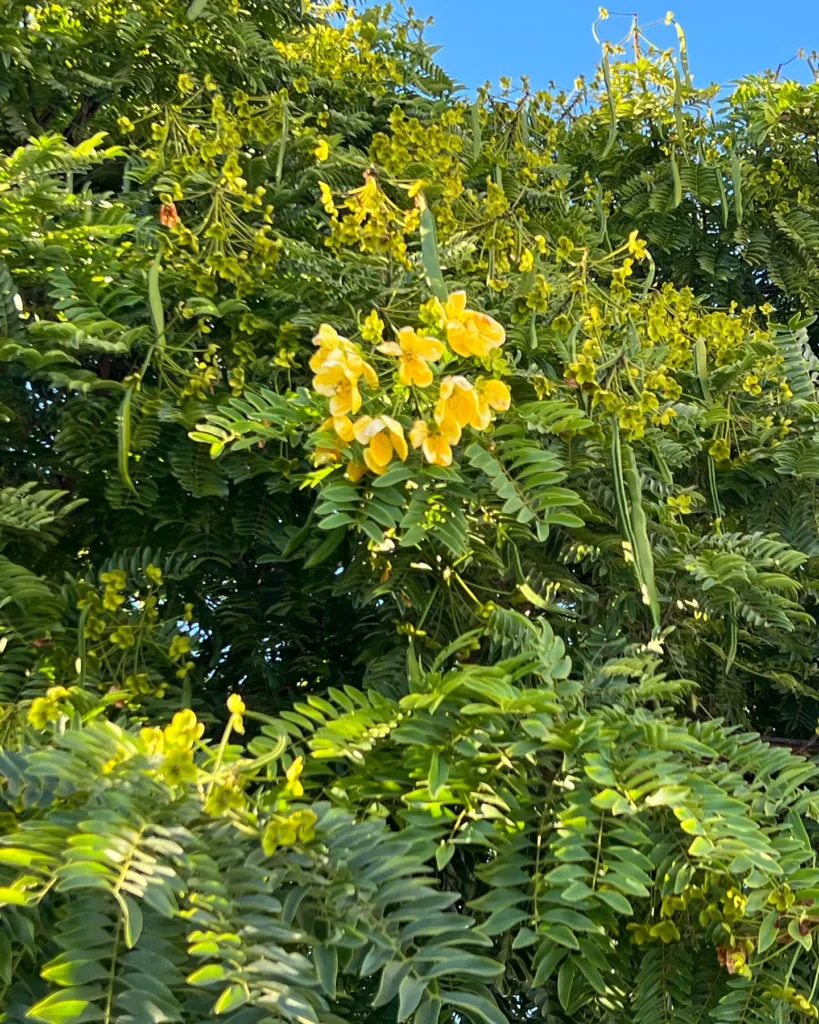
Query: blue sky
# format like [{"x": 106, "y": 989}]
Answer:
[{"x": 551, "y": 39}]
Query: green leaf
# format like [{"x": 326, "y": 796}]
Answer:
[
  {"x": 195, "y": 8},
  {"x": 479, "y": 1009},
  {"x": 768, "y": 931},
  {"x": 565, "y": 982},
  {"x": 15, "y": 896},
  {"x": 591, "y": 974},
  {"x": 210, "y": 974},
  {"x": 560, "y": 933},
  {"x": 232, "y": 997},
  {"x": 429, "y": 1010},
  {"x": 131, "y": 919},
  {"x": 391, "y": 978},
  {"x": 438, "y": 774},
  {"x": 68, "y": 1006},
  {"x": 75, "y": 968},
  {"x": 409, "y": 995},
  {"x": 326, "y": 960}
]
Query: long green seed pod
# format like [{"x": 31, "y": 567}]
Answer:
[
  {"x": 124, "y": 438},
  {"x": 643, "y": 556}
]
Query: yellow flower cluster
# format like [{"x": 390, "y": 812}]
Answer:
[
  {"x": 633, "y": 354},
  {"x": 369, "y": 219},
  {"x": 287, "y": 830},
  {"x": 174, "y": 744},
  {"x": 49, "y": 708},
  {"x": 339, "y": 367}
]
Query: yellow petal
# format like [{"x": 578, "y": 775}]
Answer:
[
  {"x": 481, "y": 416},
  {"x": 497, "y": 395},
  {"x": 370, "y": 375},
  {"x": 419, "y": 433},
  {"x": 450, "y": 430},
  {"x": 406, "y": 339},
  {"x": 428, "y": 348},
  {"x": 414, "y": 371},
  {"x": 456, "y": 335},
  {"x": 327, "y": 336},
  {"x": 372, "y": 464},
  {"x": 381, "y": 449},
  {"x": 355, "y": 471},
  {"x": 343, "y": 426},
  {"x": 490, "y": 330},
  {"x": 361, "y": 429},
  {"x": 436, "y": 451},
  {"x": 455, "y": 305},
  {"x": 390, "y": 348},
  {"x": 396, "y": 432}
]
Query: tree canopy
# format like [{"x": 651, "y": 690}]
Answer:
[{"x": 408, "y": 539}]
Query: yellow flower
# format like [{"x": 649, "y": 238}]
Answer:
[
  {"x": 116, "y": 579},
  {"x": 123, "y": 637},
  {"x": 184, "y": 730},
  {"x": 751, "y": 384},
  {"x": 336, "y": 381},
  {"x": 637, "y": 246},
  {"x": 294, "y": 785},
  {"x": 342, "y": 427},
  {"x": 153, "y": 740},
  {"x": 458, "y": 400},
  {"x": 436, "y": 440},
  {"x": 125, "y": 124},
  {"x": 492, "y": 394},
  {"x": 681, "y": 504},
  {"x": 583, "y": 371},
  {"x": 338, "y": 365},
  {"x": 372, "y": 329},
  {"x": 327, "y": 202},
  {"x": 415, "y": 352},
  {"x": 468, "y": 332},
  {"x": 285, "y": 831},
  {"x": 565, "y": 248},
  {"x": 331, "y": 346},
  {"x": 180, "y": 645},
  {"x": 184, "y": 83},
  {"x": 236, "y": 707},
  {"x": 178, "y": 767},
  {"x": 222, "y": 799},
  {"x": 384, "y": 438},
  {"x": 47, "y": 709},
  {"x": 322, "y": 150},
  {"x": 720, "y": 449},
  {"x": 154, "y": 574},
  {"x": 527, "y": 261}
]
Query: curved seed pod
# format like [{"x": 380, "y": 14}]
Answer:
[
  {"x": 429, "y": 252},
  {"x": 677, "y": 180},
  {"x": 124, "y": 438},
  {"x": 736, "y": 178},
  {"x": 612, "y": 107},
  {"x": 155, "y": 300},
  {"x": 643, "y": 558}
]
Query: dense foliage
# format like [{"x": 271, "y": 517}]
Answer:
[{"x": 408, "y": 542}]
